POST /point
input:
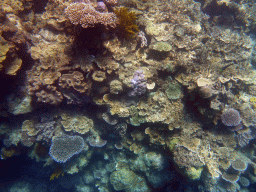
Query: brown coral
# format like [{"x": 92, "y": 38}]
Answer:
[
  {"x": 76, "y": 123},
  {"x": 50, "y": 95},
  {"x": 74, "y": 80}
]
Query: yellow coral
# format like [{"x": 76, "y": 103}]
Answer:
[
  {"x": 56, "y": 173},
  {"x": 253, "y": 102},
  {"x": 127, "y": 22}
]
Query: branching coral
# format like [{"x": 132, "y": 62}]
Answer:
[{"x": 86, "y": 15}]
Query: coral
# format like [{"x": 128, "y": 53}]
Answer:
[
  {"x": 4, "y": 48},
  {"x": 50, "y": 95},
  {"x": 17, "y": 105},
  {"x": 99, "y": 76},
  {"x": 44, "y": 130},
  {"x": 158, "y": 108},
  {"x": 76, "y": 122},
  {"x": 244, "y": 181},
  {"x": 64, "y": 147},
  {"x": 205, "y": 92},
  {"x": 186, "y": 158},
  {"x": 231, "y": 117},
  {"x": 154, "y": 136},
  {"x": 127, "y": 26},
  {"x": 162, "y": 47},
  {"x": 248, "y": 114},
  {"x": 121, "y": 129},
  {"x": 109, "y": 119},
  {"x": 155, "y": 160},
  {"x": 142, "y": 39},
  {"x": 98, "y": 142},
  {"x": 86, "y": 15},
  {"x": 111, "y": 2},
  {"x": 173, "y": 90},
  {"x": 9, "y": 152},
  {"x": 232, "y": 178},
  {"x": 51, "y": 54},
  {"x": 138, "y": 84},
  {"x": 239, "y": 165},
  {"x": 44, "y": 93},
  {"x": 74, "y": 80},
  {"x": 13, "y": 66},
  {"x": 116, "y": 87},
  {"x": 127, "y": 180},
  {"x": 194, "y": 173},
  {"x": 244, "y": 136},
  {"x": 119, "y": 146}
]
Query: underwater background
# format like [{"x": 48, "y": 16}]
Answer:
[{"x": 128, "y": 95}]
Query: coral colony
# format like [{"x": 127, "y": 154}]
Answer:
[{"x": 128, "y": 95}]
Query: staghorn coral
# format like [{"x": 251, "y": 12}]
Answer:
[
  {"x": 86, "y": 15},
  {"x": 64, "y": 147}
]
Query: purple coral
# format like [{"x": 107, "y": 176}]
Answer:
[
  {"x": 138, "y": 84},
  {"x": 231, "y": 117},
  {"x": 65, "y": 147},
  {"x": 101, "y": 6}
]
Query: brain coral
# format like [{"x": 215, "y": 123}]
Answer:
[
  {"x": 65, "y": 147},
  {"x": 231, "y": 117}
]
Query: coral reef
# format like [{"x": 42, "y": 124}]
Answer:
[{"x": 131, "y": 95}]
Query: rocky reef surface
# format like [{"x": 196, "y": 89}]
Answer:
[{"x": 128, "y": 95}]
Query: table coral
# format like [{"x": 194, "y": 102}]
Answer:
[{"x": 65, "y": 147}]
